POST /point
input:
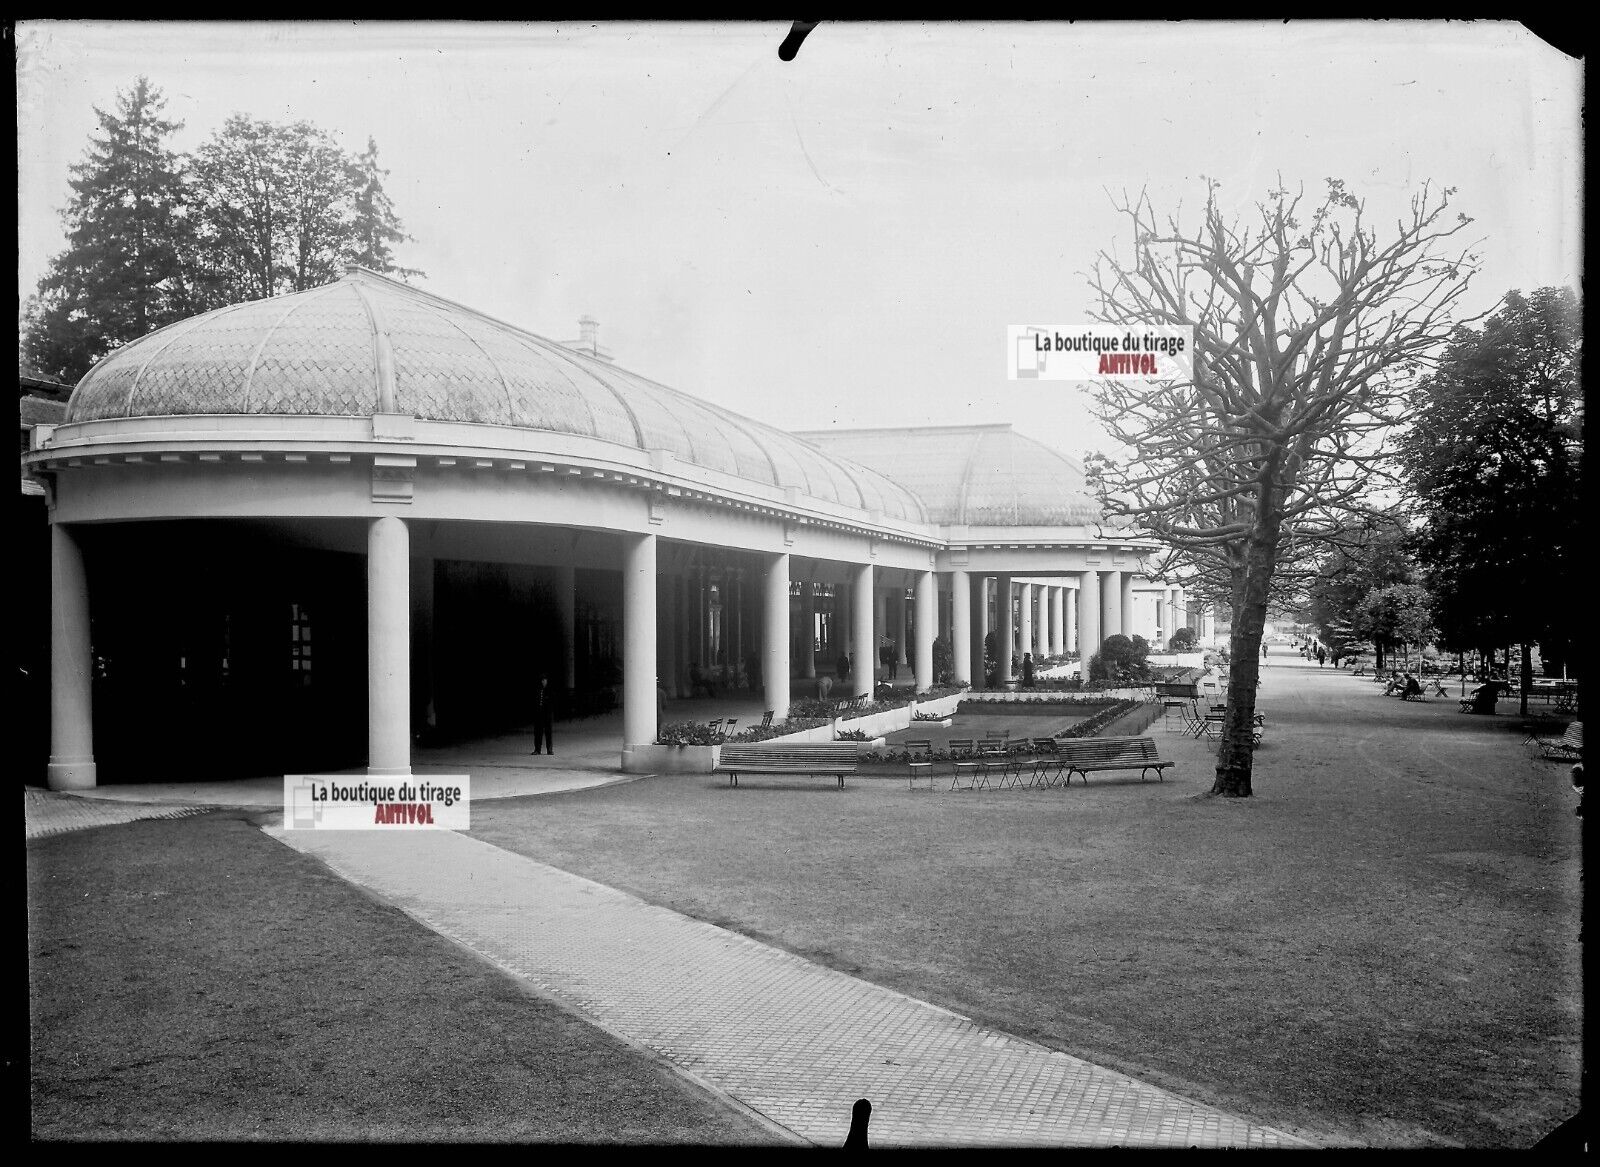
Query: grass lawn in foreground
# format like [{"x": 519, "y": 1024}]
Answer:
[
  {"x": 1381, "y": 948},
  {"x": 194, "y": 980}
]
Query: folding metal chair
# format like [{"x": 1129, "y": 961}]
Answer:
[
  {"x": 715, "y": 726},
  {"x": 963, "y": 761},
  {"x": 1045, "y": 755},
  {"x": 727, "y": 727},
  {"x": 766, "y": 719},
  {"x": 919, "y": 762},
  {"x": 994, "y": 757}
]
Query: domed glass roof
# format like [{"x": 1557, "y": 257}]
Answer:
[
  {"x": 980, "y": 476},
  {"x": 319, "y": 352}
]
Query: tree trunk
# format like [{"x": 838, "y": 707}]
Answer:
[{"x": 1236, "y": 753}]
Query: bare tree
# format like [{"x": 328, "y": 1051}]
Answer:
[{"x": 1304, "y": 331}]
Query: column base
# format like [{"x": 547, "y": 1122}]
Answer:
[
  {"x": 71, "y": 774},
  {"x": 388, "y": 771}
]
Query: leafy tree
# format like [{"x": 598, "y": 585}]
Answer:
[
  {"x": 1368, "y": 557},
  {"x": 276, "y": 208},
  {"x": 1305, "y": 326},
  {"x": 1492, "y": 460},
  {"x": 259, "y": 210},
  {"x": 123, "y": 272},
  {"x": 1119, "y": 656},
  {"x": 1400, "y": 614}
]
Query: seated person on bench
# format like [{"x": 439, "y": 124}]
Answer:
[
  {"x": 1412, "y": 688},
  {"x": 1483, "y": 698}
]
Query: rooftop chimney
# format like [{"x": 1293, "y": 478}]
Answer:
[{"x": 588, "y": 339}]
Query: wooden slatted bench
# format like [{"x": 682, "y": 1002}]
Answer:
[
  {"x": 1081, "y": 754},
  {"x": 1567, "y": 748},
  {"x": 819, "y": 758}
]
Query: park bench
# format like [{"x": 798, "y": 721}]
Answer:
[
  {"x": 1081, "y": 755},
  {"x": 813, "y": 758},
  {"x": 1567, "y": 748}
]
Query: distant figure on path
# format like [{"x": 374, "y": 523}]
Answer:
[
  {"x": 1320, "y": 656},
  {"x": 1027, "y": 670},
  {"x": 842, "y": 668},
  {"x": 1263, "y": 650},
  {"x": 860, "y": 1116},
  {"x": 544, "y": 709}
]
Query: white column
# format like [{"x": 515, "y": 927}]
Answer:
[
  {"x": 1041, "y": 622},
  {"x": 901, "y": 632},
  {"x": 1110, "y": 605},
  {"x": 1003, "y": 621},
  {"x": 961, "y": 625},
  {"x": 1070, "y": 611},
  {"x": 72, "y": 764},
  {"x": 1208, "y": 627},
  {"x": 863, "y": 644},
  {"x": 1025, "y": 615},
  {"x": 1088, "y": 617},
  {"x": 638, "y": 643},
  {"x": 775, "y": 637},
  {"x": 1127, "y": 604},
  {"x": 1163, "y": 629},
  {"x": 1177, "y": 608},
  {"x": 927, "y": 625},
  {"x": 567, "y": 601},
  {"x": 980, "y": 629},
  {"x": 1058, "y": 621},
  {"x": 388, "y": 648}
]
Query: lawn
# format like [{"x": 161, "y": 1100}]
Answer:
[
  {"x": 194, "y": 980},
  {"x": 1379, "y": 949}
]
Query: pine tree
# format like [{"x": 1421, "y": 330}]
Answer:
[
  {"x": 122, "y": 274},
  {"x": 377, "y": 226}
]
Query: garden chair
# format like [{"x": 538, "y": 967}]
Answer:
[
  {"x": 728, "y": 727},
  {"x": 766, "y": 719},
  {"x": 919, "y": 761},
  {"x": 994, "y": 759},
  {"x": 715, "y": 726},
  {"x": 963, "y": 761},
  {"x": 1045, "y": 755}
]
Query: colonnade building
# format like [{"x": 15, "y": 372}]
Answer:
[{"x": 289, "y": 534}]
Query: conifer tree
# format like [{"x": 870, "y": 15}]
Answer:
[{"x": 122, "y": 274}]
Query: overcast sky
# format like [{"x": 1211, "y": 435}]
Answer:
[{"x": 841, "y": 239}]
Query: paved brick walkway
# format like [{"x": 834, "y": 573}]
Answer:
[
  {"x": 796, "y": 1042},
  {"x": 47, "y": 813}
]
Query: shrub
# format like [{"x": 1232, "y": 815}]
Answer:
[
  {"x": 851, "y": 735},
  {"x": 1183, "y": 640},
  {"x": 688, "y": 733}
]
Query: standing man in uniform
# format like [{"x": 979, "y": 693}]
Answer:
[{"x": 544, "y": 701}]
